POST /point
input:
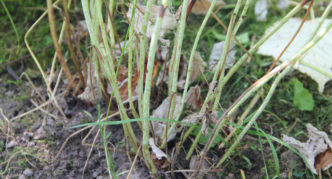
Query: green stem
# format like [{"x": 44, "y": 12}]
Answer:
[
  {"x": 147, "y": 90},
  {"x": 222, "y": 60},
  {"x": 258, "y": 112},
  {"x": 323, "y": 17},
  {"x": 142, "y": 46},
  {"x": 259, "y": 43},
  {"x": 190, "y": 65},
  {"x": 262, "y": 81},
  {"x": 177, "y": 55},
  {"x": 130, "y": 59},
  {"x": 219, "y": 71},
  {"x": 105, "y": 58},
  {"x": 11, "y": 21}
]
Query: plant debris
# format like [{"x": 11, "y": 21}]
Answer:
[
  {"x": 317, "y": 150},
  {"x": 202, "y": 6},
  {"x": 261, "y": 10},
  {"x": 217, "y": 52},
  {"x": 169, "y": 21}
]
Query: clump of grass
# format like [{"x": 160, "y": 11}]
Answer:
[{"x": 103, "y": 41}]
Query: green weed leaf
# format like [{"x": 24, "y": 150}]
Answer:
[{"x": 302, "y": 97}]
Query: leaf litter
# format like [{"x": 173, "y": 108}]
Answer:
[
  {"x": 217, "y": 52},
  {"x": 169, "y": 21},
  {"x": 317, "y": 150}
]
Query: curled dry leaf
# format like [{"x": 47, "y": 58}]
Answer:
[
  {"x": 217, "y": 52},
  {"x": 159, "y": 158},
  {"x": 201, "y": 7},
  {"x": 261, "y": 10},
  {"x": 123, "y": 85},
  {"x": 317, "y": 62},
  {"x": 159, "y": 153},
  {"x": 163, "y": 111},
  {"x": 194, "y": 98},
  {"x": 198, "y": 67},
  {"x": 197, "y": 70},
  {"x": 317, "y": 150},
  {"x": 92, "y": 92},
  {"x": 169, "y": 21}
]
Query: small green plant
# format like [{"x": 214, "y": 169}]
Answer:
[{"x": 302, "y": 97}]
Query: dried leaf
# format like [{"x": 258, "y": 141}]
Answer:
[
  {"x": 92, "y": 92},
  {"x": 202, "y": 6},
  {"x": 217, "y": 52},
  {"x": 159, "y": 153},
  {"x": 324, "y": 160},
  {"x": 163, "y": 112},
  {"x": 169, "y": 21},
  {"x": 317, "y": 150},
  {"x": 198, "y": 67},
  {"x": 158, "y": 156},
  {"x": 317, "y": 58},
  {"x": 261, "y": 10},
  {"x": 123, "y": 85},
  {"x": 283, "y": 4},
  {"x": 194, "y": 98}
]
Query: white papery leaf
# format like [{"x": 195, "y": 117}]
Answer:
[
  {"x": 317, "y": 62},
  {"x": 159, "y": 153},
  {"x": 169, "y": 21},
  {"x": 283, "y": 4},
  {"x": 261, "y": 10},
  {"x": 317, "y": 143},
  {"x": 217, "y": 52}
]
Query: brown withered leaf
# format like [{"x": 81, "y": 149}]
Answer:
[
  {"x": 324, "y": 160},
  {"x": 202, "y": 6},
  {"x": 194, "y": 98},
  {"x": 198, "y": 67}
]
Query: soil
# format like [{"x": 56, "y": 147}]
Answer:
[{"x": 31, "y": 143}]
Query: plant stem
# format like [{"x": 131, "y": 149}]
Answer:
[
  {"x": 70, "y": 45},
  {"x": 219, "y": 71},
  {"x": 259, "y": 43},
  {"x": 257, "y": 113},
  {"x": 130, "y": 59},
  {"x": 190, "y": 65},
  {"x": 105, "y": 58},
  {"x": 57, "y": 47},
  {"x": 259, "y": 83},
  {"x": 174, "y": 69},
  {"x": 142, "y": 46},
  {"x": 147, "y": 89},
  {"x": 222, "y": 60}
]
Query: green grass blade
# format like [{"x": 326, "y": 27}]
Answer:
[{"x": 134, "y": 120}]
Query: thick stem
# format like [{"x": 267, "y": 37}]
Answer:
[
  {"x": 142, "y": 46},
  {"x": 130, "y": 66},
  {"x": 147, "y": 89}
]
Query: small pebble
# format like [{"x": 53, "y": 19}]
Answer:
[
  {"x": 11, "y": 144},
  {"x": 21, "y": 177},
  {"x": 28, "y": 172}
]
